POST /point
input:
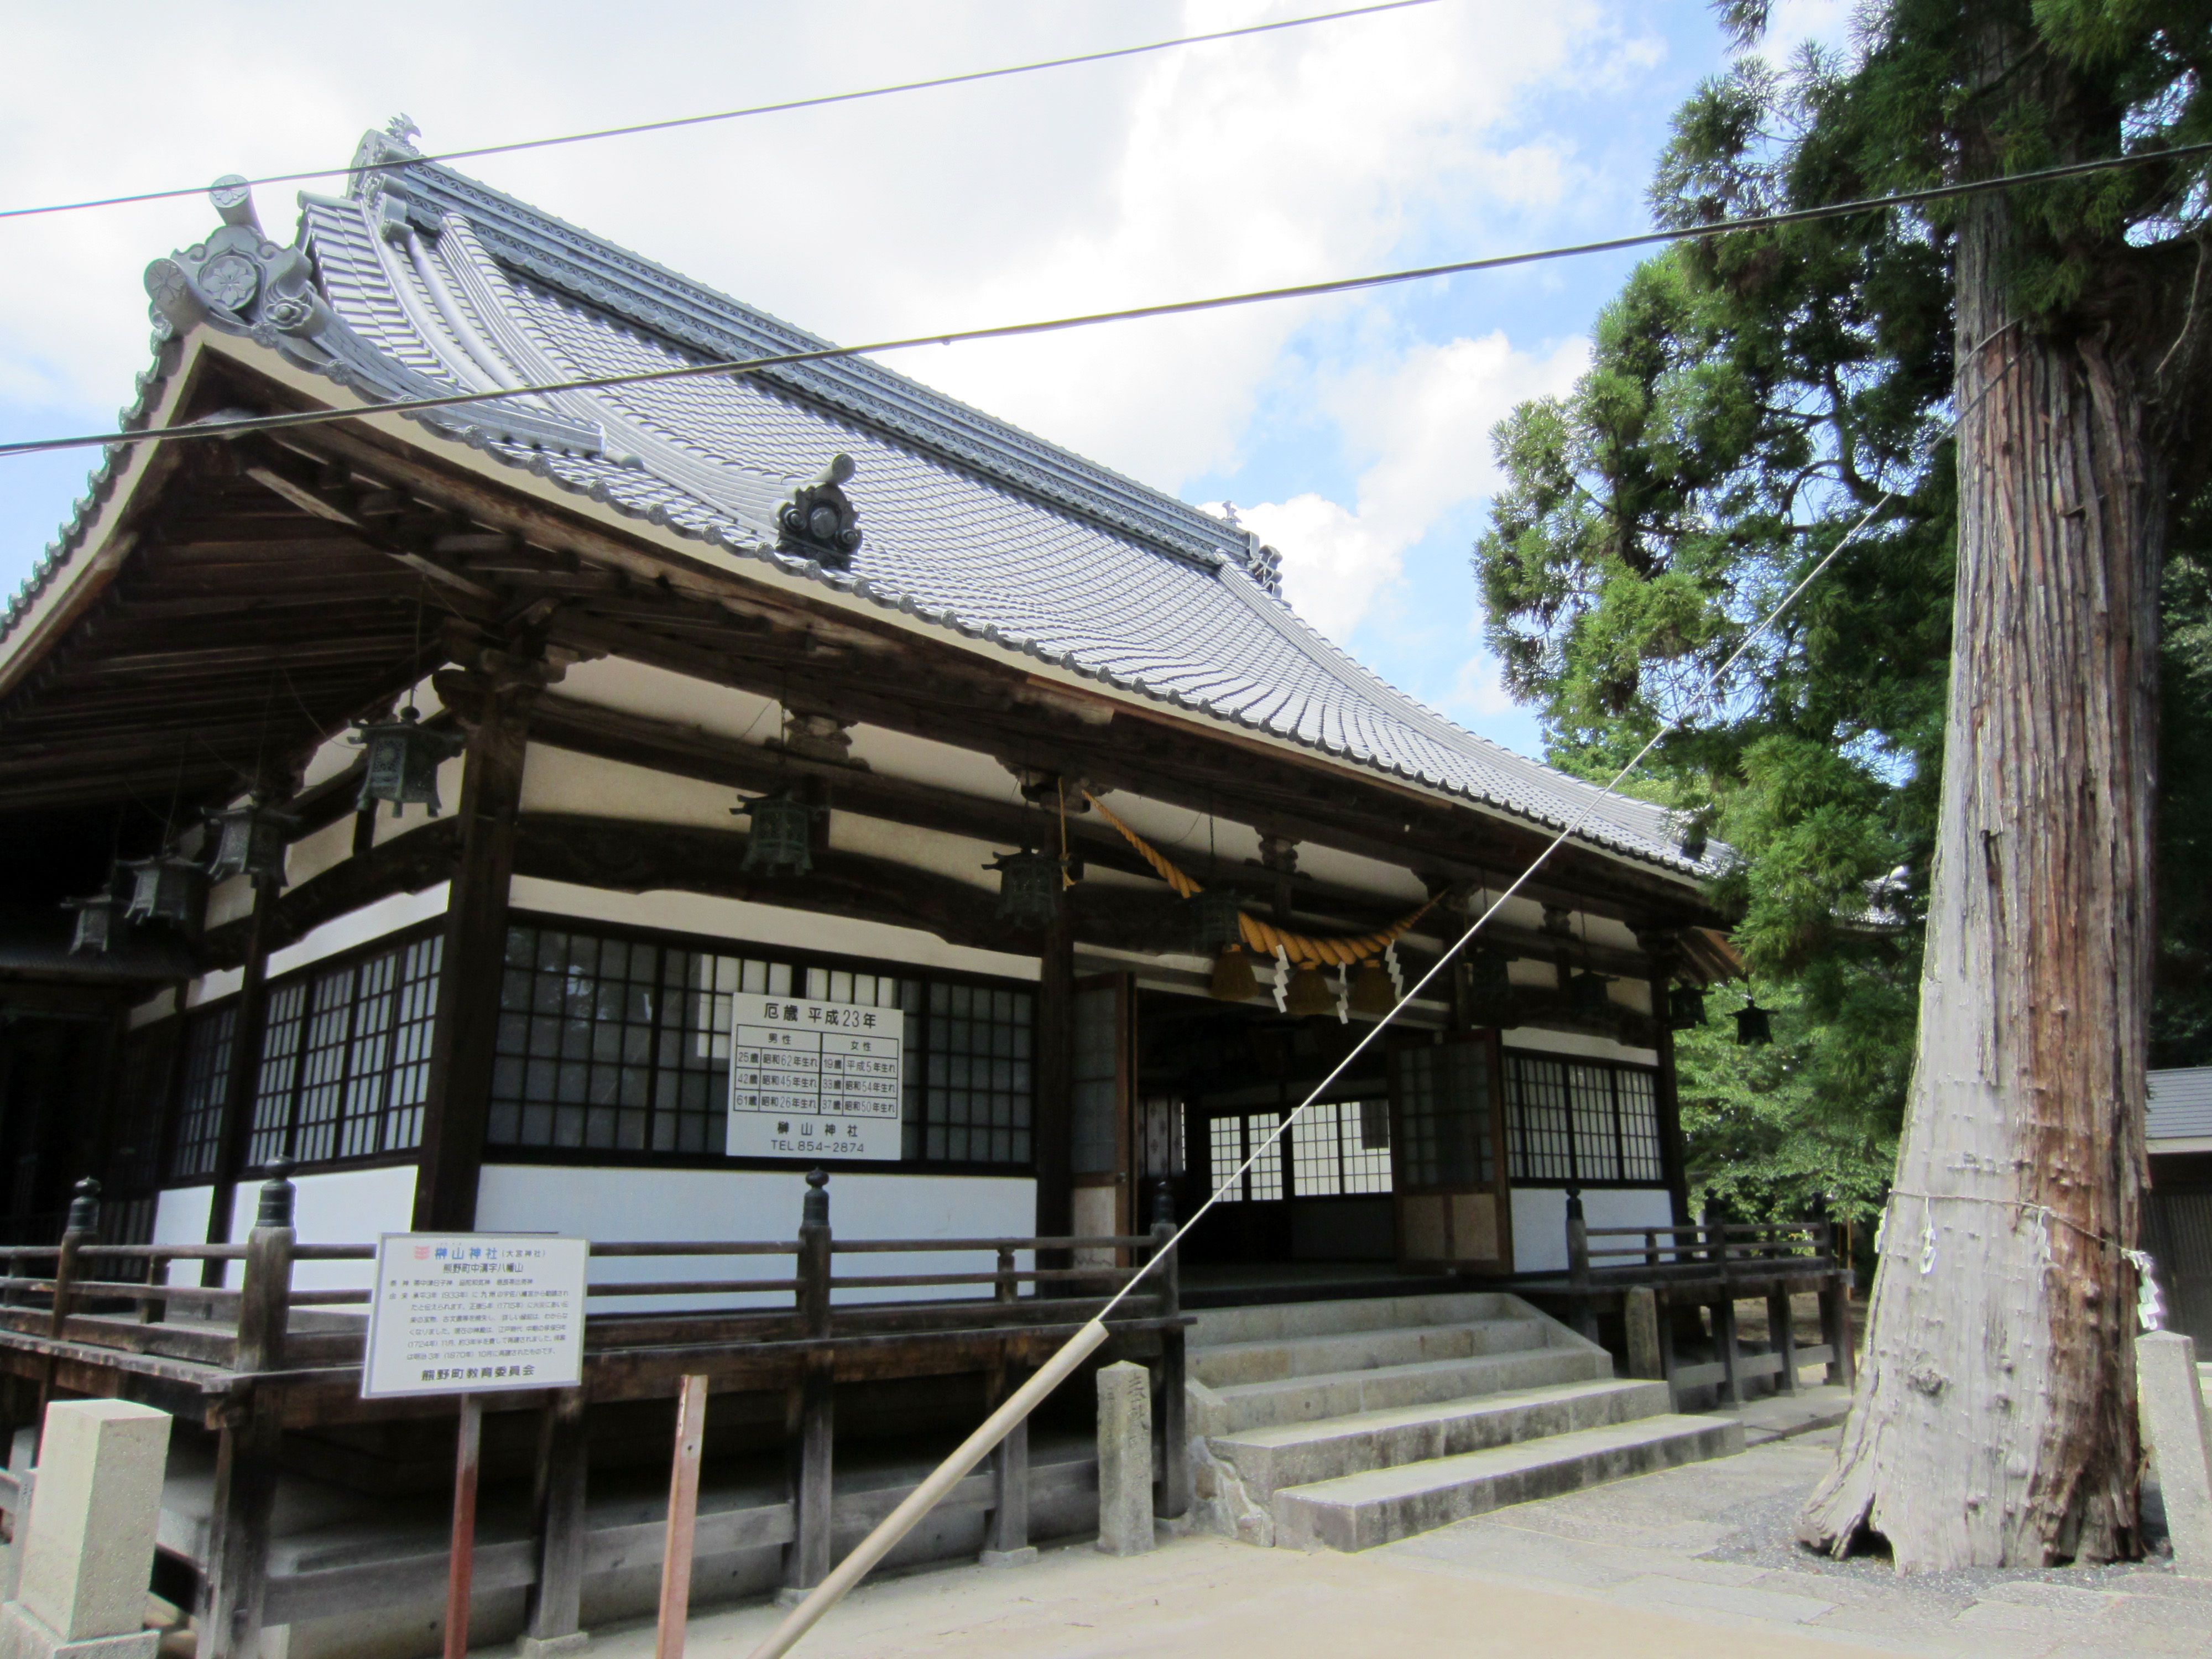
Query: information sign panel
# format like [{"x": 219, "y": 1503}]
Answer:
[
  {"x": 471, "y": 1313},
  {"x": 814, "y": 1080}
]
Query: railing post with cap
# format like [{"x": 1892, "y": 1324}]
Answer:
[
  {"x": 807, "y": 1562},
  {"x": 83, "y": 1228},
  {"x": 264, "y": 1302}
]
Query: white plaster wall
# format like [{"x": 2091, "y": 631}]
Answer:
[
  {"x": 337, "y": 1206},
  {"x": 371, "y": 922},
  {"x": 564, "y": 781},
  {"x": 639, "y": 688},
  {"x": 180, "y": 1216},
  {"x": 160, "y": 1006},
  {"x": 739, "y": 923},
  {"x": 955, "y": 856},
  {"x": 1539, "y": 1220},
  {"x": 632, "y": 1205},
  {"x": 324, "y": 849}
]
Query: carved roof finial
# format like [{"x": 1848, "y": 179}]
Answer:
[{"x": 402, "y": 130}]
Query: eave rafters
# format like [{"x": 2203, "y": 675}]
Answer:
[{"x": 259, "y": 540}]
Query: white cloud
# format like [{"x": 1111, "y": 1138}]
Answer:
[
  {"x": 1422, "y": 424},
  {"x": 1250, "y": 163}
]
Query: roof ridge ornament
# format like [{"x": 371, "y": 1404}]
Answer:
[
  {"x": 402, "y": 129},
  {"x": 820, "y": 521}
]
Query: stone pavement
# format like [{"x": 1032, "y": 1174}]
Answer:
[{"x": 1695, "y": 1563}]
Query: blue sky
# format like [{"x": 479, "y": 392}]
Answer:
[{"x": 1351, "y": 433}]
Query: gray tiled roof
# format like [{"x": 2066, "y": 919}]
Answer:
[{"x": 968, "y": 523}]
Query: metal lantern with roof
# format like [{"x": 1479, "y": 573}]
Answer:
[
  {"x": 1586, "y": 997},
  {"x": 1685, "y": 1008},
  {"x": 781, "y": 840},
  {"x": 403, "y": 757},
  {"x": 1753, "y": 1030},
  {"x": 99, "y": 922},
  {"x": 1215, "y": 912},
  {"x": 1029, "y": 887},
  {"x": 250, "y": 840},
  {"x": 167, "y": 888}
]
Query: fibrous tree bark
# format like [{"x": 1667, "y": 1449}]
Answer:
[{"x": 1995, "y": 1420}]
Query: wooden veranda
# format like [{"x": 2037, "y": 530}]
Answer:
[{"x": 253, "y": 1361}]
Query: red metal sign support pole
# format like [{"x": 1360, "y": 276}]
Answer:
[{"x": 467, "y": 1455}]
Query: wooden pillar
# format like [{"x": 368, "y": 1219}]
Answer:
[
  {"x": 1056, "y": 1064},
  {"x": 1170, "y": 1405},
  {"x": 495, "y": 707},
  {"x": 1665, "y": 951},
  {"x": 1731, "y": 1356},
  {"x": 235, "y": 1132},
  {"x": 238, "y": 1529},
  {"x": 1836, "y": 1329},
  {"x": 806, "y": 1563},
  {"x": 1006, "y": 1537},
  {"x": 1782, "y": 1337},
  {"x": 557, "y": 1600}
]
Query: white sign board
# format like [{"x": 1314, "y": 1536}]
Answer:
[
  {"x": 814, "y": 1080},
  {"x": 471, "y": 1313}
]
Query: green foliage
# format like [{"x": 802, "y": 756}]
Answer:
[
  {"x": 1780, "y": 1132},
  {"x": 1754, "y": 399}
]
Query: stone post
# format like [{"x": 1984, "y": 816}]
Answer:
[
  {"x": 1125, "y": 1460},
  {"x": 1641, "y": 1309},
  {"x": 81, "y": 1593},
  {"x": 2172, "y": 1407}
]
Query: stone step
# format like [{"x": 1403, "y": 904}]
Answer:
[
  {"x": 1265, "y": 1460},
  {"x": 1343, "y": 1394},
  {"x": 1360, "y": 1511},
  {"x": 1270, "y": 1358},
  {"x": 1271, "y": 1320}
]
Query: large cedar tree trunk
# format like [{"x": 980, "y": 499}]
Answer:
[{"x": 1994, "y": 1422}]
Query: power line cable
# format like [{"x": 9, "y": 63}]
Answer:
[
  {"x": 673, "y": 122},
  {"x": 220, "y": 428}
]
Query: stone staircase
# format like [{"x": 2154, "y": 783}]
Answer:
[{"x": 1351, "y": 1424}]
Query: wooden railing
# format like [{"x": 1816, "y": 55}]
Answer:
[
  {"x": 1649, "y": 1271},
  {"x": 269, "y": 1352},
  {"x": 117, "y": 1297}
]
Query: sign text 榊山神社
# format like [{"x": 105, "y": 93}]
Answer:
[{"x": 465, "y": 1313}]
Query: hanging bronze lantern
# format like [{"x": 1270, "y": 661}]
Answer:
[
  {"x": 250, "y": 841},
  {"x": 1685, "y": 1008},
  {"x": 1490, "y": 988},
  {"x": 1586, "y": 997},
  {"x": 781, "y": 840},
  {"x": 1309, "y": 994},
  {"x": 99, "y": 923},
  {"x": 1029, "y": 887},
  {"x": 1753, "y": 1028},
  {"x": 1215, "y": 912},
  {"x": 402, "y": 761},
  {"x": 1372, "y": 994},
  {"x": 169, "y": 888}
]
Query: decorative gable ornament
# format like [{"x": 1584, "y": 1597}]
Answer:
[
  {"x": 250, "y": 841},
  {"x": 782, "y": 837},
  {"x": 820, "y": 520},
  {"x": 167, "y": 888},
  {"x": 404, "y": 757}
]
